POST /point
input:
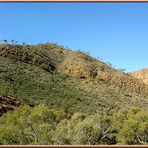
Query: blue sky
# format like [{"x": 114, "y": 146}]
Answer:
[{"x": 114, "y": 32}]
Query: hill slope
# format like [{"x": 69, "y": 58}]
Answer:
[
  {"x": 141, "y": 74},
  {"x": 66, "y": 79}
]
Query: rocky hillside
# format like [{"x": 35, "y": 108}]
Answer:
[
  {"x": 68, "y": 79},
  {"x": 141, "y": 74}
]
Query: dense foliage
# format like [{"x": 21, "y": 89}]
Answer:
[{"x": 42, "y": 125}]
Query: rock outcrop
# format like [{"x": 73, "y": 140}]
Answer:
[{"x": 141, "y": 74}]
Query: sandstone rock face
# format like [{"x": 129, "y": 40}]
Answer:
[
  {"x": 78, "y": 65},
  {"x": 8, "y": 103},
  {"x": 141, "y": 74}
]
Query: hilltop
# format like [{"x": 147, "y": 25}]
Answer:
[
  {"x": 49, "y": 86},
  {"x": 141, "y": 74}
]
